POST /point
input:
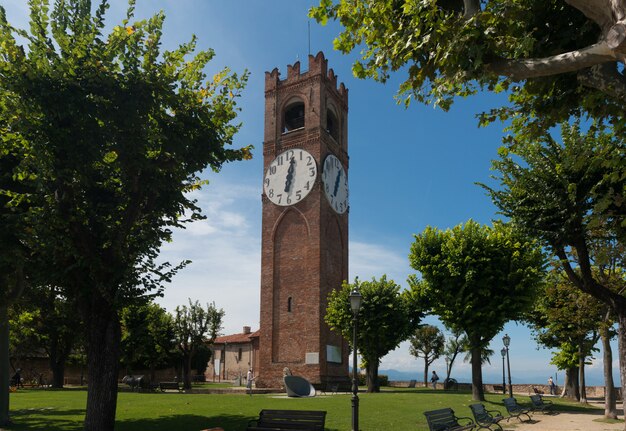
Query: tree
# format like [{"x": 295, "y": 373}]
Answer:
[
  {"x": 195, "y": 326},
  {"x": 427, "y": 342},
  {"x": 568, "y": 358},
  {"x": 554, "y": 58},
  {"x": 13, "y": 250},
  {"x": 148, "y": 338},
  {"x": 387, "y": 317},
  {"x": 564, "y": 314},
  {"x": 114, "y": 133},
  {"x": 47, "y": 321},
  {"x": 476, "y": 278},
  {"x": 570, "y": 195},
  {"x": 455, "y": 344}
]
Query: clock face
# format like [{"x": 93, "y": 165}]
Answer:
[
  {"x": 335, "y": 183},
  {"x": 290, "y": 177}
]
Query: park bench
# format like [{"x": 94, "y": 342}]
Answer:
[
  {"x": 484, "y": 418},
  {"x": 277, "y": 420},
  {"x": 515, "y": 410},
  {"x": 446, "y": 420},
  {"x": 175, "y": 386},
  {"x": 539, "y": 405},
  {"x": 498, "y": 388}
]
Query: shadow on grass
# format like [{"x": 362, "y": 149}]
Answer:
[
  {"x": 184, "y": 422},
  {"x": 49, "y": 419},
  {"x": 65, "y": 420}
]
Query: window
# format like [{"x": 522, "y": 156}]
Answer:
[
  {"x": 240, "y": 354},
  {"x": 332, "y": 124},
  {"x": 294, "y": 117},
  {"x": 289, "y": 301}
]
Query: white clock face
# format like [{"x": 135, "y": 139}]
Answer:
[
  {"x": 290, "y": 177},
  {"x": 335, "y": 183}
]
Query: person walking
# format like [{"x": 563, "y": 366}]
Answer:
[
  {"x": 249, "y": 378},
  {"x": 552, "y": 386},
  {"x": 434, "y": 378}
]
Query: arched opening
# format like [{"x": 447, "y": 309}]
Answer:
[
  {"x": 289, "y": 302},
  {"x": 332, "y": 124},
  {"x": 294, "y": 117}
]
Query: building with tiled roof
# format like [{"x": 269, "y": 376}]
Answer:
[{"x": 232, "y": 356}]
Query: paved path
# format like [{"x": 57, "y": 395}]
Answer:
[{"x": 571, "y": 421}]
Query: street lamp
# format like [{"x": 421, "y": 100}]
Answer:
[
  {"x": 507, "y": 340},
  {"x": 355, "y": 304},
  {"x": 503, "y": 352}
]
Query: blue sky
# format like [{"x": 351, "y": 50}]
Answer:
[{"x": 409, "y": 168}]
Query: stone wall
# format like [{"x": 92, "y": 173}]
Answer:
[{"x": 526, "y": 389}]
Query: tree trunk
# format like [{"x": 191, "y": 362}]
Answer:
[
  {"x": 621, "y": 348},
  {"x": 581, "y": 373},
  {"x": 478, "y": 393},
  {"x": 372, "y": 376},
  {"x": 187, "y": 371},
  {"x": 4, "y": 365},
  {"x": 610, "y": 402},
  {"x": 57, "y": 362},
  {"x": 103, "y": 352},
  {"x": 57, "y": 365},
  {"x": 425, "y": 373},
  {"x": 570, "y": 387}
]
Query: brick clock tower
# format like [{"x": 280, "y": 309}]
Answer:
[{"x": 305, "y": 224}]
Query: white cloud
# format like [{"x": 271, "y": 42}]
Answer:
[{"x": 369, "y": 260}]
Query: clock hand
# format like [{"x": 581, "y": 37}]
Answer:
[
  {"x": 292, "y": 168},
  {"x": 337, "y": 183}
]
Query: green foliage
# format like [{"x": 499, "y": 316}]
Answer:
[
  {"x": 147, "y": 336},
  {"x": 445, "y": 54},
  {"x": 387, "y": 317},
  {"x": 565, "y": 314},
  {"x": 558, "y": 191},
  {"x": 427, "y": 342},
  {"x": 112, "y": 133},
  {"x": 455, "y": 344},
  {"x": 476, "y": 278},
  {"x": 104, "y": 135},
  {"x": 195, "y": 326}
]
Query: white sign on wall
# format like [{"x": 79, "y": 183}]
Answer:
[{"x": 312, "y": 358}]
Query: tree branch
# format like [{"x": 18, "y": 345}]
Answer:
[
  {"x": 606, "y": 78},
  {"x": 471, "y": 7},
  {"x": 599, "y": 11},
  {"x": 562, "y": 63}
]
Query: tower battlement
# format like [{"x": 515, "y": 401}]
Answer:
[{"x": 318, "y": 65}]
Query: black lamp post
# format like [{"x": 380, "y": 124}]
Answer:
[
  {"x": 355, "y": 305},
  {"x": 503, "y": 352},
  {"x": 507, "y": 340}
]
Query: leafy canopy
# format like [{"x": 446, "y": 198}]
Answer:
[
  {"x": 386, "y": 318},
  {"x": 476, "y": 278},
  {"x": 551, "y": 57}
]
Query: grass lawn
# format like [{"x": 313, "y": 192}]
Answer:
[{"x": 392, "y": 409}]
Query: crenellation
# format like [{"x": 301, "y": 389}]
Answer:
[
  {"x": 272, "y": 79},
  {"x": 293, "y": 71}
]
